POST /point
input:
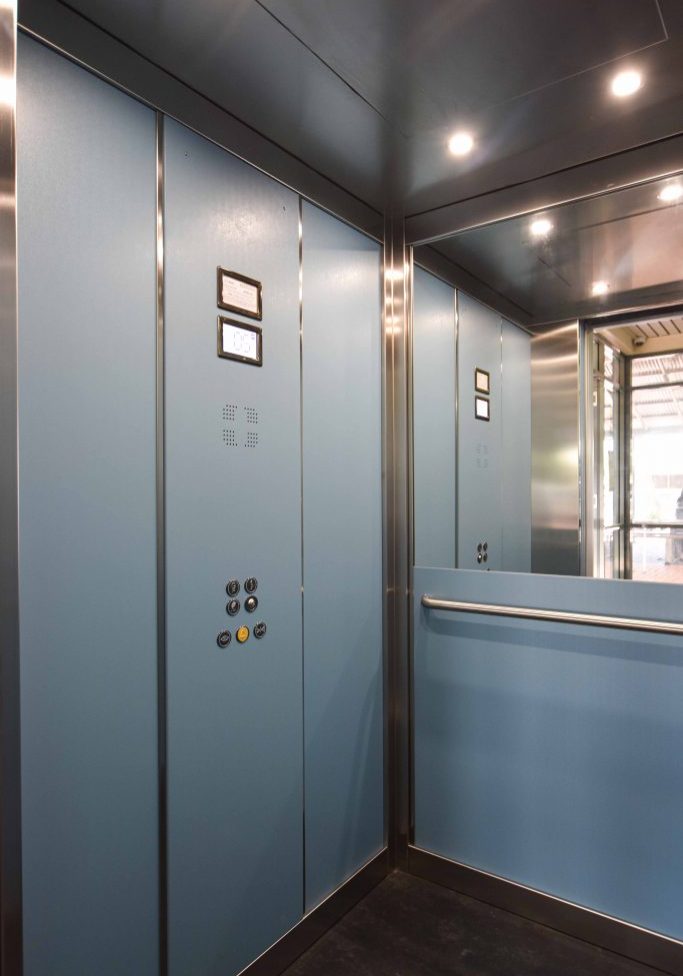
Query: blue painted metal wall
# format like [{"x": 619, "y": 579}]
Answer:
[
  {"x": 86, "y": 190},
  {"x": 479, "y": 442},
  {"x": 233, "y": 476},
  {"x": 515, "y": 486},
  {"x": 434, "y": 414},
  {"x": 551, "y": 754},
  {"x": 237, "y": 875},
  {"x": 342, "y": 493}
]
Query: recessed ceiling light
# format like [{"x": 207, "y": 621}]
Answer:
[
  {"x": 600, "y": 287},
  {"x": 626, "y": 83},
  {"x": 671, "y": 192},
  {"x": 461, "y": 143},
  {"x": 541, "y": 227}
]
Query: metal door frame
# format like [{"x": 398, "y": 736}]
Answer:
[{"x": 10, "y": 775}]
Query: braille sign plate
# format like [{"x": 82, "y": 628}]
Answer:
[{"x": 237, "y": 293}]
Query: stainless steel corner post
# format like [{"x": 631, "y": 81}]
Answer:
[
  {"x": 398, "y": 534},
  {"x": 10, "y": 802}
]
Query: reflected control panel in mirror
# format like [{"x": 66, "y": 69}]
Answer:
[{"x": 562, "y": 331}]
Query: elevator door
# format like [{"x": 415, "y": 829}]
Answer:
[{"x": 233, "y": 492}]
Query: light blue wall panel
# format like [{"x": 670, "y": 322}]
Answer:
[
  {"x": 233, "y": 475},
  {"x": 479, "y": 468},
  {"x": 551, "y": 754},
  {"x": 515, "y": 488},
  {"x": 87, "y": 191},
  {"x": 434, "y": 412},
  {"x": 342, "y": 551}
]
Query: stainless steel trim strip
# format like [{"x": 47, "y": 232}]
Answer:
[
  {"x": 606, "y": 931},
  {"x": 161, "y": 557},
  {"x": 10, "y": 759},
  {"x": 301, "y": 515},
  {"x": 656, "y": 525},
  {"x": 73, "y": 35},
  {"x": 398, "y": 533},
  {"x": 314, "y": 925},
  {"x": 554, "y": 616}
]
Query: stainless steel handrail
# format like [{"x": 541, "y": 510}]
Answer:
[{"x": 556, "y": 616}]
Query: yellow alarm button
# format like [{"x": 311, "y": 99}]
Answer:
[{"x": 242, "y": 634}]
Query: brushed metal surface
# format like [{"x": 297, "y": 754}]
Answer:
[
  {"x": 556, "y": 616},
  {"x": 627, "y": 237},
  {"x": 10, "y": 775},
  {"x": 367, "y": 93},
  {"x": 397, "y": 463},
  {"x": 555, "y": 510},
  {"x": 161, "y": 558}
]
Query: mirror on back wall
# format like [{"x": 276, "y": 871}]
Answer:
[{"x": 547, "y": 390}]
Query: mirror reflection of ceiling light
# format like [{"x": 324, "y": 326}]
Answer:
[
  {"x": 600, "y": 288},
  {"x": 626, "y": 83},
  {"x": 461, "y": 143},
  {"x": 8, "y": 93},
  {"x": 671, "y": 193},
  {"x": 541, "y": 227}
]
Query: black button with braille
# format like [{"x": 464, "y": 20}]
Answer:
[
  {"x": 233, "y": 587},
  {"x": 233, "y": 607},
  {"x": 251, "y": 584},
  {"x": 224, "y": 638},
  {"x": 250, "y": 604},
  {"x": 259, "y": 630}
]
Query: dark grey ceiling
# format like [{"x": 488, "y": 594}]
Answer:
[
  {"x": 367, "y": 91},
  {"x": 628, "y": 237}
]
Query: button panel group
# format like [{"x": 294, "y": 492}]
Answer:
[{"x": 233, "y": 588}]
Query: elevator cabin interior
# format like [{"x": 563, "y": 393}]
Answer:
[{"x": 344, "y": 524}]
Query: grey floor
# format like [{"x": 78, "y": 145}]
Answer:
[{"x": 410, "y": 927}]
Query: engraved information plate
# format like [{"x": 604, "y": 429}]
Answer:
[
  {"x": 237, "y": 293},
  {"x": 482, "y": 381}
]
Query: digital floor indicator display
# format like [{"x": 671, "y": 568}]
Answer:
[{"x": 239, "y": 341}]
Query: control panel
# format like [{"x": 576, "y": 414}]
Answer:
[
  {"x": 483, "y": 552},
  {"x": 235, "y": 606}
]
